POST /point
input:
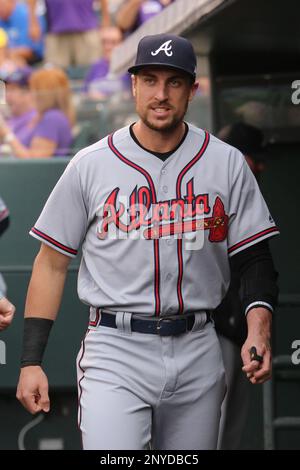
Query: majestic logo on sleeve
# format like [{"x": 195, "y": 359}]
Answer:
[
  {"x": 171, "y": 217},
  {"x": 166, "y": 47}
]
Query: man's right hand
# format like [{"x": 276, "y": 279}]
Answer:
[
  {"x": 7, "y": 311},
  {"x": 32, "y": 389}
]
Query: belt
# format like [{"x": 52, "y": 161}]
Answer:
[{"x": 162, "y": 326}]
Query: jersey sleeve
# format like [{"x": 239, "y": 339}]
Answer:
[
  {"x": 249, "y": 218},
  {"x": 4, "y": 213},
  {"x": 64, "y": 219}
]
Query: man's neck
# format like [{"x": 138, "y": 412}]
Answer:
[{"x": 157, "y": 141}]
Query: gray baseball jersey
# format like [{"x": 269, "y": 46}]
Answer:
[{"x": 139, "y": 221}]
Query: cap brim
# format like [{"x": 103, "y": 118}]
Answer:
[{"x": 136, "y": 68}]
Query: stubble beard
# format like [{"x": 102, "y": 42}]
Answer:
[{"x": 167, "y": 127}]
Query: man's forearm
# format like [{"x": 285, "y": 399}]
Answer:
[
  {"x": 42, "y": 304},
  {"x": 104, "y": 13},
  {"x": 32, "y": 8},
  {"x": 259, "y": 321},
  {"x": 34, "y": 29},
  {"x": 127, "y": 14},
  {"x": 46, "y": 285},
  {"x": 258, "y": 277}
]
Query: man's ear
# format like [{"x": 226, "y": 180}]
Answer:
[
  {"x": 193, "y": 91},
  {"x": 133, "y": 84}
]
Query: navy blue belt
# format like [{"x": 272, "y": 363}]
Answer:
[{"x": 162, "y": 326}]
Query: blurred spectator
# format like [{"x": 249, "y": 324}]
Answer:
[
  {"x": 19, "y": 99},
  {"x": 249, "y": 140},
  {"x": 133, "y": 13},
  {"x": 73, "y": 35},
  {"x": 51, "y": 135},
  {"x": 14, "y": 19},
  {"x": 99, "y": 83}
]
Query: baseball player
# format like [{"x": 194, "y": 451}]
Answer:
[
  {"x": 158, "y": 208},
  {"x": 7, "y": 309}
]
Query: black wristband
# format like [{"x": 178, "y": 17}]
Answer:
[{"x": 36, "y": 333}]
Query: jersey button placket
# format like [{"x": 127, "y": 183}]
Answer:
[{"x": 166, "y": 276}]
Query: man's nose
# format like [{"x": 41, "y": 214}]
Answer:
[{"x": 161, "y": 92}]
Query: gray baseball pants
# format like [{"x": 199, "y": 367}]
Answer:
[
  {"x": 139, "y": 391},
  {"x": 234, "y": 408}
]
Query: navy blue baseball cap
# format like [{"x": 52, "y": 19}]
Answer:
[{"x": 166, "y": 50}]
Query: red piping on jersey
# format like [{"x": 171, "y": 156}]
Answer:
[
  {"x": 253, "y": 238},
  {"x": 179, "y": 241},
  {"x": 154, "y": 201},
  {"x": 79, "y": 382},
  {"x": 53, "y": 242}
]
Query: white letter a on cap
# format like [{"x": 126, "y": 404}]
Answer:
[{"x": 166, "y": 47}]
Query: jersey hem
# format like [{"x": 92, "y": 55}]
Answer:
[
  {"x": 43, "y": 237},
  {"x": 247, "y": 242}
]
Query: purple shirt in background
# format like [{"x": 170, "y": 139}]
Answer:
[
  {"x": 55, "y": 126},
  {"x": 71, "y": 16},
  {"x": 98, "y": 70},
  {"x": 98, "y": 78},
  {"x": 147, "y": 10},
  {"x": 22, "y": 128}
]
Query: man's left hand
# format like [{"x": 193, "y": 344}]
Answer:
[{"x": 259, "y": 332}]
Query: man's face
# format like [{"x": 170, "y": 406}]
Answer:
[
  {"x": 162, "y": 96},
  {"x": 110, "y": 38},
  {"x": 6, "y": 8}
]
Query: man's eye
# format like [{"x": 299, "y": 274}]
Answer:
[
  {"x": 149, "y": 81},
  {"x": 175, "y": 83}
]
